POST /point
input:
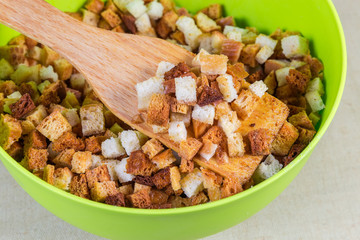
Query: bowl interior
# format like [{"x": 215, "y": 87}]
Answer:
[{"x": 315, "y": 19}]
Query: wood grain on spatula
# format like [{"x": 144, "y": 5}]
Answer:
[{"x": 111, "y": 62}]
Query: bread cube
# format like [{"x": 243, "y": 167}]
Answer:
[
  {"x": 275, "y": 64},
  {"x": 121, "y": 171},
  {"x": 92, "y": 119},
  {"x": 116, "y": 200},
  {"x": 175, "y": 178},
  {"x": 5, "y": 69},
  {"x": 236, "y": 145},
  {"x": 143, "y": 24},
  {"x": 48, "y": 175},
  {"x": 90, "y": 18},
  {"x": 248, "y": 54},
  {"x": 47, "y": 73},
  {"x": 259, "y": 88},
  {"x": 214, "y": 11},
  {"x": 245, "y": 104},
  {"x": 152, "y": 147},
  {"x": 204, "y": 114},
  {"x": 191, "y": 31},
  {"x": 229, "y": 123},
  {"x": 96, "y": 6},
  {"x": 230, "y": 187},
  {"x": 129, "y": 141},
  {"x": 139, "y": 164},
  {"x": 295, "y": 46},
  {"x": 189, "y": 148},
  {"x": 260, "y": 141},
  {"x": 264, "y": 40},
  {"x": 267, "y": 169},
  {"x": 161, "y": 179},
  {"x": 48, "y": 56},
  {"x": 232, "y": 49},
  {"x": 221, "y": 109},
  {"x": 205, "y": 42},
  {"x": 226, "y": 86},
  {"x": 264, "y": 54},
  {"x": 301, "y": 119},
  {"x": 163, "y": 67},
  {"x": 136, "y": 8},
  {"x": 98, "y": 174},
  {"x": 166, "y": 24},
  {"x": 110, "y": 164},
  {"x": 177, "y": 131},
  {"x": 111, "y": 148},
  {"x": 63, "y": 68},
  {"x": 159, "y": 110},
  {"x": 234, "y": 33},
  {"x": 62, "y": 178},
  {"x": 315, "y": 101},
  {"x": 281, "y": 75},
  {"x": 111, "y": 18},
  {"x": 78, "y": 186},
  {"x": 121, "y": 4},
  {"x": 208, "y": 150},
  {"x": 64, "y": 158},
  {"x": 177, "y": 107},
  {"x": 102, "y": 190},
  {"x": 146, "y": 89},
  {"x": 159, "y": 129},
  {"x": 72, "y": 116},
  {"x": 53, "y": 126},
  {"x": 81, "y": 161},
  {"x": 164, "y": 159},
  {"x": 185, "y": 90},
  {"x": 196, "y": 62},
  {"x": 192, "y": 183},
  {"x": 155, "y": 10},
  {"x": 126, "y": 189},
  {"x": 141, "y": 199},
  {"x": 213, "y": 64},
  {"x": 66, "y": 141},
  {"x": 205, "y": 23}
]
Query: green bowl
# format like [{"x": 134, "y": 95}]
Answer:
[{"x": 319, "y": 22}]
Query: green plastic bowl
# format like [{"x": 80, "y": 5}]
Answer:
[{"x": 319, "y": 22}]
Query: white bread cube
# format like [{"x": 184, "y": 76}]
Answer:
[
  {"x": 111, "y": 148},
  {"x": 259, "y": 88},
  {"x": 297, "y": 63},
  {"x": 236, "y": 145},
  {"x": 111, "y": 164},
  {"x": 205, "y": 42},
  {"x": 267, "y": 168},
  {"x": 179, "y": 117},
  {"x": 90, "y": 18},
  {"x": 81, "y": 161},
  {"x": 37, "y": 115},
  {"x": 162, "y": 68},
  {"x": 295, "y": 46},
  {"x": 177, "y": 131},
  {"x": 53, "y": 126},
  {"x": 234, "y": 33},
  {"x": 263, "y": 55},
  {"x": 204, "y": 114},
  {"x": 92, "y": 119},
  {"x": 129, "y": 141},
  {"x": 208, "y": 150},
  {"x": 229, "y": 123},
  {"x": 185, "y": 89},
  {"x": 96, "y": 160},
  {"x": 121, "y": 4},
  {"x": 205, "y": 23},
  {"x": 315, "y": 101},
  {"x": 47, "y": 73},
  {"x": 159, "y": 129},
  {"x": 196, "y": 62},
  {"x": 136, "y": 8},
  {"x": 14, "y": 95},
  {"x": 192, "y": 33},
  {"x": 121, "y": 172},
  {"x": 192, "y": 183},
  {"x": 281, "y": 75},
  {"x": 213, "y": 64},
  {"x": 143, "y": 24},
  {"x": 264, "y": 40},
  {"x": 146, "y": 89},
  {"x": 226, "y": 86},
  {"x": 72, "y": 116},
  {"x": 155, "y": 10}
]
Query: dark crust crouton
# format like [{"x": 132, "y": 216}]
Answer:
[
  {"x": 305, "y": 69},
  {"x": 94, "y": 6},
  {"x": 158, "y": 197},
  {"x": 199, "y": 198},
  {"x": 256, "y": 76},
  {"x": 169, "y": 86},
  {"x": 226, "y": 21},
  {"x": 209, "y": 95},
  {"x": 248, "y": 54},
  {"x": 68, "y": 140},
  {"x": 8, "y": 87},
  {"x": 316, "y": 66},
  {"x": 177, "y": 71},
  {"x": 189, "y": 148},
  {"x": 179, "y": 37},
  {"x": 36, "y": 140},
  {"x": 79, "y": 186},
  {"x": 53, "y": 94},
  {"x": 297, "y": 81},
  {"x": 295, "y": 150},
  {"x": 162, "y": 178},
  {"x": 111, "y": 18},
  {"x": 139, "y": 164},
  {"x": 159, "y": 110},
  {"x": 301, "y": 120},
  {"x": 16, "y": 151},
  {"x": 99, "y": 174},
  {"x": 93, "y": 145},
  {"x": 305, "y": 135},
  {"x": 144, "y": 180},
  {"x": 183, "y": 12},
  {"x": 64, "y": 158},
  {"x": 37, "y": 158},
  {"x": 129, "y": 22},
  {"x": 260, "y": 140},
  {"x": 23, "y": 106},
  {"x": 217, "y": 136},
  {"x": 116, "y": 200},
  {"x": 285, "y": 138},
  {"x": 141, "y": 199},
  {"x": 166, "y": 24}
]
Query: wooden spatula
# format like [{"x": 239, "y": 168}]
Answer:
[{"x": 111, "y": 62}]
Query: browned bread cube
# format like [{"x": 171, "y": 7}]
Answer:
[
  {"x": 161, "y": 179},
  {"x": 152, "y": 147},
  {"x": 129, "y": 22},
  {"x": 199, "y": 128},
  {"x": 260, "y": 140},
  {"x": 16, "y": 151},
  {"x": 96, "y": 6},
  {"x": 99, "y": 174},
  {"x": 232, "y": 49},
  {"x": 68, "y": 140},
  {"x": 178, "y": 36},
  {"x": 48, "y": 175},
  {"x": 189, "y": 148},
  {"x": 62, "y": 178},
  {"x": 144, "y": 180},
  {"x": 297, "y": 81},
  {"x": 139, "y": 164},
  {"x": 213, "y": 11},
  {"x": 93, "y": 144},
  {"x": 159, "y": 110},
  {"x": 186, "y": 166},
  {"x": 199, "y": 198},
  {"x": 141, "y": 199},
  {"x": 36, "y": 158},
  {"x": 53, "y": 126},
  {"x": 295, "y": 150},
  {"x": 175, "y": 178},
  {"x": 23, "y": 106},
  {"x": 158, "y": 198},
  {"x": 248, "y": 54},
  {"x": 245, "y": 104},
  {"x": 284, "y": 139},
  {"x": 271, "y": 82},
  {"x": 111, "y": 18},
  {"x": 230, "y": 187},
  {"x": 117, "y": 199},
  {"x": 35, "y": 140},
  {"x": 102, "y": 190},
  {"x": 48, "y": 56},
  {"x": 166, "y": 24},
  {"x": 79, "y": 186},
  {"x": 63, "y": 159},
  {"x": 11, "y": 131},
  {"x": 63, "y": 68},
  {"x": 53, "y": 94},
  {"x": 164, "y": 159},
  {"x": 209, "y": 96},
  {"x": 305, "y": 135},
  {"x": 92, "y": 119},
  {"x": 126, "y": 189},
  {"x": 81, "y": 162},
  {"x": 14, "y": 54},
  {"x": 301, "y": 120}
]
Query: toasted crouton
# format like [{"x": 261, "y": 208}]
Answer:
[
  {"x": 284, "y": 139},
  {"x": 159, "y": 110},
  {"x": 213, "y": 64},
  {"x": 129, "y": 141},
  {"x": 236, "y": 145},
  {"x": 126, "y": 189},
  {"x": 93, "y": 144},
  {"x": 205, "y": 23},
  {"x": 79, "y": 186},
  {"x": 68, "y": 140},
  {"x": 233, "y": 33},
  {"x": 186, "y": 166},
  {"x": 62, "y": 178},
  {"x": 226, "y": 86},
  {"x": 64, "y": 158},
  {"x": 35, "y": 140},
  {"x": 232, "y": 50},
  {"x": 185, "y": 90},
  {"x": 264, "y": 40},
  {"x": 102, "y": 190},
  {"x": 63, "y": 68},
  {"x": 129, "y": 22},
  {"x": 177, "y": 131},
  {"x": 209, "y": 95},
  {"x": 229, "y": 123},
  {"x": 111, "y": 18},
  {"x": 189, "y": 148},
  {"x": 260, "y": 141},
  {"x": 11, "y": 131},
  {"x": 48, "y": 56},
  {"x": 152, "y": 147},
  {"x": 199, "y": 128},
  {"x": 139, "y": 164},
  {"x": 301, "y": 120},
  {"x": 264, "y": 54},
  {"x": 98, "y": 174},
  {"x": 179, "y": 70},
  {"x": 297, "y": 81},
  {"x": 175, "y": 178},
  {"x": 92, "y": 119},
  {"x": 48, "y": 175},
  {"x": 96, "y": 6},
  {"x": 270, "y": 82},
  {"x": 162, "y": 179},
  {"x": 23, "y": 106},
  {"x": 121, "y": 171},
  {"x": 141, "y": 199},
  {"x": 143, "y": 25},
  {"x": 90, "y": 18},
  {"x": 221, "y": 109},
  {"x": 81, "y": 162},
  {"x": 35, "y": 159},
  {"x": 53, "y": 126},
  {"x": 245, "y": 104},
  {"x": 16, "y": 151},
  {"x": 295, "y": 150},
  {"x": 164, "y": 159},
  {"x": 305, "y": 135},
  {"x": 163, "y": 67},
  {"x": 214, "y": 11},
  {"x": 192, "y": 183},
  {"x": 191, "y": 31},
  {"x": 167, "y": 24},
  {"x": 117, "y": 199},
  {"x": 208, "y": 150},
  {"x": 248, "y": 54},
  {"x": 230, "y": 187},
  {"x": 146, "y": 89}
]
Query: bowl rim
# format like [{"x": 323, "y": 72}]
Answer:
[{"x": 228, "y": 200}]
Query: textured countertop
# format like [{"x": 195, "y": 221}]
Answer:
[{"x": 321, "y": 203}]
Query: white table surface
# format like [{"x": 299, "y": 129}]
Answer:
[{"x": 323, "y": 202}]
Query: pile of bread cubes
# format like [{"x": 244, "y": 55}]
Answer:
[{"x": 243, "y": 109}]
